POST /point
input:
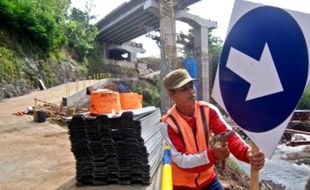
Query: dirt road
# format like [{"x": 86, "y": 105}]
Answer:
[{"x": 33, "y": 155}]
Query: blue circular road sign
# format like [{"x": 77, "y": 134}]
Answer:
[{"x": 288, "y": 48}]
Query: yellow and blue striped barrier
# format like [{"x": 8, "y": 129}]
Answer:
[{"x": 166, "y": 181}]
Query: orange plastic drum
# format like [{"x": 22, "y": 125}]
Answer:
[
  {"x": 104, "y": 102},
  {"x": 131, "y": 101}
]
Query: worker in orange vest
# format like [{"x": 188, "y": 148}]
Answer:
[{"x": 188, "y": 132}]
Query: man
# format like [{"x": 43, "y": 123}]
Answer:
[{"x": 188, "y": 133}]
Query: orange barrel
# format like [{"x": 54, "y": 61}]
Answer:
[
  {"x": 104, "y": 102},
  {"x": 131, "y": 101}
]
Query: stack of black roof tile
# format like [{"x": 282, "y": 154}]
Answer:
[{"x": 123, "y": 150}]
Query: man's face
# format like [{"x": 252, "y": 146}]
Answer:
[{"x": 184, "y": 95}]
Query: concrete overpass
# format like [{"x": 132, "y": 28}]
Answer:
[
  {"x": 137, "y": 17},
  {"x": 133, "y": 19}
]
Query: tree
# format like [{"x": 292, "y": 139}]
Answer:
[
  {"x": 186, "y": 42},
  {"x": 215, "y": 48},
  {"x": 40, "y": 21},
  {"x": 81, "y": 34},
  {"x": 187, "y": 45}
]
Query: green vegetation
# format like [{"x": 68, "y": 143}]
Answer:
[
  {"x": 187, "y": 43},
  {"x": 149, "y": 90},
  {"x": 153, "y": 92},
  {"x": 37, "y": 37},
  {"x": 305, "y": 100},
  {"x": 187, "y": 49},
  {"x": 215, "y": 48},
  {"x": 81, "y": 35},
  {"x": 49, "y": 25},
  {"x": 8, "y": 69},
  {"x": 39, "y": 21}
]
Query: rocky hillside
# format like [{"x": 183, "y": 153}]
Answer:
[
  {"x": 31, "y": 71},
  {"x": 22, "y": 67}
]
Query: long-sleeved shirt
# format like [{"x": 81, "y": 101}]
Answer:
[{"x": 201, "y": 161}]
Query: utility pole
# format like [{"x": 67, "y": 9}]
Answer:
[{"x": 167, "y": 47}]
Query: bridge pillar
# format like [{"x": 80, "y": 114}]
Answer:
[
  {"x": 168, "y": 60},
  {"x": 104, "y": 50},
  {"x": 201, "y": 30},
  {"x": 202, "y": 56}
]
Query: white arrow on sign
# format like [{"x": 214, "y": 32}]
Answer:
[{"x": 262, "y": 75}]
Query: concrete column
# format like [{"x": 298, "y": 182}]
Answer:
[
  {"x": 202, "y": 56},
  {"x": 129, "y": 58},
  {"x": 105, "y": 50},
  {"x": 167, "y": 47},
  {"x": 201, "y": 28},
  {"x": 133, "y": 57}
]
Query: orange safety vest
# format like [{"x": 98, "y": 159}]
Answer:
[{"x": 180, "y": 176}]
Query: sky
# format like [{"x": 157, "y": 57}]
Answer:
[{"x": 215, "y": 10}]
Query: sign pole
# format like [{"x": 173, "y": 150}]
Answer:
[{"x": 254, "y": 173}]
